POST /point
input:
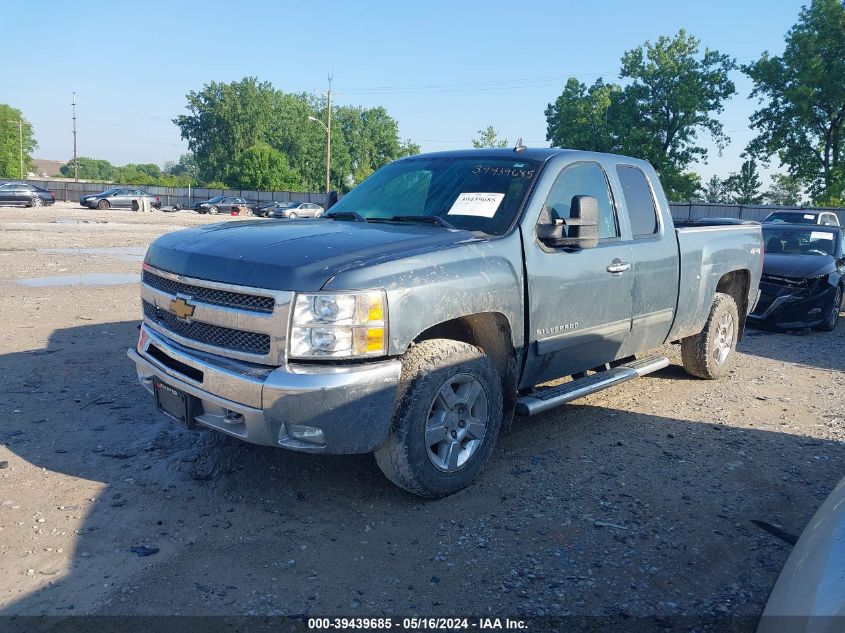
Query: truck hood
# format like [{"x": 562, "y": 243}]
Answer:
[
  {"x": 300, "y": 255},
  {"x": 800, "y": 266}
]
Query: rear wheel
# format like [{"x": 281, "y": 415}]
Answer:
[
  {"x": 446, "y": 420},
  {"x": 710, "y": 353},
  {"x": 36, "y": 202},
  {"x": 833, "y": 311},
  {"x": 103, "y": 204}
]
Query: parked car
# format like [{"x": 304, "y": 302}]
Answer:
[
  {"x": 25, "y": 194},
  {"x": 824, "y": 218},
  {"x": 293, "y": 210},
  {"x": 809, "y": 595},
  {"x": 118, "y": 198},
  {"x": 431, "y": 302},
  {"x": 803, "y": 277},
  {"x": 222, "y": 204}
]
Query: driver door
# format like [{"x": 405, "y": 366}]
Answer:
[{"x": 580, "y": 300}]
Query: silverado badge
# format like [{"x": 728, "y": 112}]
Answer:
[{"x": 181, "y": 308}]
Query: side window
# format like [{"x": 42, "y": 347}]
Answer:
[
  {"x": 582, "y": 179},
  {"x": 638, "y": 200}
]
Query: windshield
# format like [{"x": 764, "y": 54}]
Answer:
[
  {"x": 476, "y": 193},
  {"x": 216, "y": 199},
  {"x": 284, "y": 205},
  {"x": 791, "y": 218},
  {"x": 108, "y": 192},
  {"x": 799, "y": 241}
]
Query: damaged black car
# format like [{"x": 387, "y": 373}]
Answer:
[{"x": 803, "y": 277}]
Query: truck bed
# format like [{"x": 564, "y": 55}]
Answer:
[{"x": 707, "y": 253}]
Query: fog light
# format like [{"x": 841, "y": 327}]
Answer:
[
  {"x": 814, "y": 312},
  {"x": 310, "y": 434}
]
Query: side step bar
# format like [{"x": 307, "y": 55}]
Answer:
[{"x": 546, "y": 399}]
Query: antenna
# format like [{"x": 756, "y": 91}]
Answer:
[{"x": 519, "y": 147}]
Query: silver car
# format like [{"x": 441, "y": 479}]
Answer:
[
  {"x": 119, "y": 198},
  {"x": 293, "y": 210}
]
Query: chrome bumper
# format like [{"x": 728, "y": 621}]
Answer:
[{"x": 351, "y": 404}]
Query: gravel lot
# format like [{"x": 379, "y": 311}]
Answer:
[{"x": 639, "y": 501}]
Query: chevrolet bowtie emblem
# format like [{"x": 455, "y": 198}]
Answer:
[{"x": 181, "y": 308}]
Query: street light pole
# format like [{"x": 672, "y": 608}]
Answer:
[
  {"x": 20, "y": 141},
  {"x": 328, "y": 129}
]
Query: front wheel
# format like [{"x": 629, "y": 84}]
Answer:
[
  {"x": 833, "y": 311},
  {"x": 102, "y": 205},
  {"x": 710, "y": 353},
  {"x": 446, "y": 420},
  {"x": 213, "y": 210},
  {"x": 292, "y": 215}
]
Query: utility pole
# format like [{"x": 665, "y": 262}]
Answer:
[
  {"x": 75, "y": 164},
  {"x": 329, "y": 138}
]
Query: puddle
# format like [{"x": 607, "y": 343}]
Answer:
[
  {"x": 88, "y": 279},
  {"x": 123, "y": 253}
]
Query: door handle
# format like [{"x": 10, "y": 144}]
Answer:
[{"x": 618, "y": 266}]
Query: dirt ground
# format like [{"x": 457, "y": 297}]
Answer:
[{"x": 638, "y": 501}]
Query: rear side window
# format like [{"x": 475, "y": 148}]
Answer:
[
  {"x": 582, "y": 179},
  {"x": 638, "y": 199}
]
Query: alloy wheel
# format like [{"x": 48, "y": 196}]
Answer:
[{"x": 457, "y": 422}]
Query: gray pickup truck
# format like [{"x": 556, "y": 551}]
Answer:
[{"x": 433, "y": 302}]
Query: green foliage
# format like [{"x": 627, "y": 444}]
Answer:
[
  {"x": 227, "y": 121},
  {"x": 10, "y": 145},
  {"x": 673, "y": 91},
  {"x": 745, "y": 187},
  {"x": 488, "y": 137},
  {"x": 714, "y": 190},
  {"x": 786, "y": 190},
  {"x": 185, "y": 168},
  {"x": 90, "y": 169},
  {"x": 803, "y": 119},
  {"x": 579, "y": 118},
  {"x": 265, "y": 168}
]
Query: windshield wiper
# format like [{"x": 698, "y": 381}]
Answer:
[
  {"x": 422, "y": 219},
  {"x": 346, "y": 215}
]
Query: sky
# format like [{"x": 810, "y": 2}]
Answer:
[{"x": 443, "y": 70}]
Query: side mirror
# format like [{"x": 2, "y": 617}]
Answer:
[{"x": 579, "y": 230}]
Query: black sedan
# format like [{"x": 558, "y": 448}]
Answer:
[
  {"x": 803, "y": 277},
  {"x": 223, "y": 204},
  {"x": 25, "y": 194}
]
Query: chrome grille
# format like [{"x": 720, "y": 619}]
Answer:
[
  {"x": 228, "y": 338},
  {"x": 214, "y": 296}
]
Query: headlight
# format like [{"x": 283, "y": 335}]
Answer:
[{"x": 339, "y": 325}]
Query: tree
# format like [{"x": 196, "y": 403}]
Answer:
[
  {"x": 10, "y": 142},
  {"x": 185, "y": 167},
  {"x": 744, "y": 187},
  {"x": 90, "y": 169},
  {"x": 803, "y": 119},
  {"x": 714, "y": 191},
  {"x": 785, "y": 191},
  {"x": 671, "y": 96},
  {"x": 579, "y": 117},
  {"x": 264, "y": 168},
  {"x": 227, "y": 120},
  {"x": 488, "y": 137}
]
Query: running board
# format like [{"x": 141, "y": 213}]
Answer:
[{"x": 546, "y": 399}]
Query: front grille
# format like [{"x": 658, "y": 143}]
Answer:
[
  {"x": 208, "y": 334},
  {"x": 786, "y": 282},
  {"x": 226, "y": 298}
]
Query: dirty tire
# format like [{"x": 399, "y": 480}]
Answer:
[
  {"x": 699, "y": 353},
  {"x": 213, "y": 210},
  {"x": 426, "y": 368},
  {"x": 829, "y": 323},
  {"x": 102, "y": 205},
  {"x": 135, "y": 205},
  {"x": 36, "y": 202}
]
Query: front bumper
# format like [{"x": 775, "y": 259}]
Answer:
[
  {"x": 789, "y": 309},
  {"x": 351, "y": 404}
]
